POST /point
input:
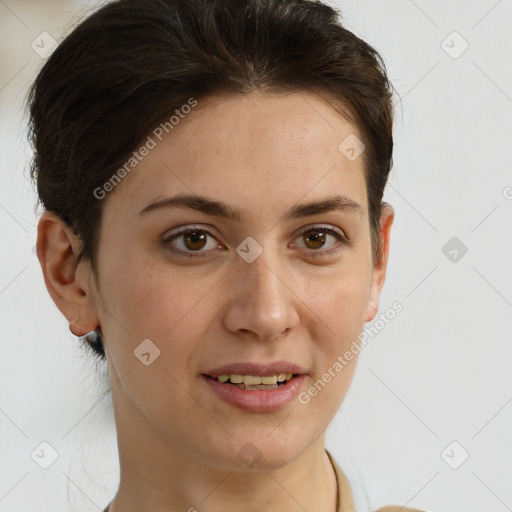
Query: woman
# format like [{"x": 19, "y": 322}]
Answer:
[{"x": 212, "y": 174}]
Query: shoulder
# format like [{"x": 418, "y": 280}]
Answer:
[{"x": 397, "y": 508}]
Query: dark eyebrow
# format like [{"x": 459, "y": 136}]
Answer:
[{"x": 221, "y": 209}]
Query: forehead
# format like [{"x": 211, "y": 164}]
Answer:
[{"x": 246, "y": 148}]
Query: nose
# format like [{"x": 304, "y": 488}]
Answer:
[{"x": 262, "y": 303}]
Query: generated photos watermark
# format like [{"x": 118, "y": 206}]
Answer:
[
  {"x": 369, "y": 332},
  {"x": 151, "y": 142}
]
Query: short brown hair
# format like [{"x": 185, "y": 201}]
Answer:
[{"x": 134, "y": 62}]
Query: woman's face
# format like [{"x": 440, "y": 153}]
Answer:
[{"x": 273, "y": 283}]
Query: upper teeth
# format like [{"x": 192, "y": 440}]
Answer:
[{"x": 252, "y": 380}]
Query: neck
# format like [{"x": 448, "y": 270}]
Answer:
[{"x": 163, "y": 478}]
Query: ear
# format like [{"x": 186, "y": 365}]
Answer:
[
  {"x": 379, "y": 270},
  {"x": 57, "y": 249}
]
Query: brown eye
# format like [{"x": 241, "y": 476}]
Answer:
[
  {"x": 194, "y": 240},
  {"x": 191, "y": 242},
  {"x": 317, "y": 239}
]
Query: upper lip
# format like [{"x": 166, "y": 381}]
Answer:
[{"x": 256, "y": 369}]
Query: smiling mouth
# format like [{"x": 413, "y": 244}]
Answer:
[{"x": 253, "y": 382}]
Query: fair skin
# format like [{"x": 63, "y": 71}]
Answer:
[{"x": 178, "y": 442}]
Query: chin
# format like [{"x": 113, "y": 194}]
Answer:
[{"x": 260, "y": 452}]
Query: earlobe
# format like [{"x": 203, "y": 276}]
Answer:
[
  {"x": 379, "y": 271},
  {"x": 57, "y": 248}
]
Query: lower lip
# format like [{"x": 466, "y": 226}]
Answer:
[{"x": 257, "y": 400}]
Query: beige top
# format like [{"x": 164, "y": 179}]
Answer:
[{"x": 344, "y": 498}]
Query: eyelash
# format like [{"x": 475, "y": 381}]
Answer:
[{"x": 342, "y": 241}]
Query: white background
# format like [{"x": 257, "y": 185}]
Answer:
[{"x": 438, "y": 373}]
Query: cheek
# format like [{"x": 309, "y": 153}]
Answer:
[
  {"x": 169, "y": 307},
  {"x": 340, "y": 301},
  {"x": 339, "y": 313}
]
